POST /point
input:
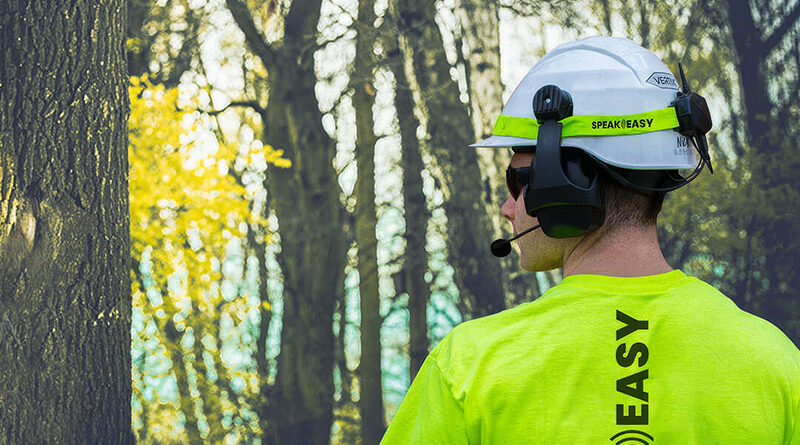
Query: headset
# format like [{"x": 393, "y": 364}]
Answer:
[{"x": 564, "y": 190}]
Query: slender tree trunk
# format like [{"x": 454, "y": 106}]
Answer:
[
  {"x": 373, "y": 422},
  {"x": 137, "y": 376},
  {"x": 346, "y": 410},
  {"x": 312, "y": 257},
  {"x": 417, "y": 215},
  {"x": 169, "y": 336},
  {"x": 185, "y": 399},
  {"x": 605, "y": 8},
  {"x": 138, "y": 54},
  {"x": 449, "y": 130},
  {"x": 480, "y": 27},
  {"x": 416, "y": 212},
  {"x": 312, "y": 228},
  {"x": 65, "y": 291},
  {"x": 480, "y": 24},
  {"x": 210, "y": 392},
  {"x": 144, "y": 48},
  {"x": 265, "y": 318},
  {"x": 341, "y": 357}
]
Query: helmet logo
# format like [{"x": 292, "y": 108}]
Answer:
[{"x": 663, "y": 80}]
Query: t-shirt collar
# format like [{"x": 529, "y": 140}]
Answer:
[{"x": 659, "y": 282}]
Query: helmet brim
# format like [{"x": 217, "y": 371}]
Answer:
[{"x": 495, "y": 141}]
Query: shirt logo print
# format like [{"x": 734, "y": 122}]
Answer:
[{"x": 633, "y": 384}]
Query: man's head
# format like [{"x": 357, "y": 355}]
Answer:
[
  {"x": 622, "y": 111},
  {"x": 626, "y": 211}
]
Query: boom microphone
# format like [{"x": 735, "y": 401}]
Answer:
[{"x": 502, "y": 247}]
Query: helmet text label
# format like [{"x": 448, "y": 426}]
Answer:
[
  {"x": 623, "y": 123},
  {"x": 663, "y": 80}
]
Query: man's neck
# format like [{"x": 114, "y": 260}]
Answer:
[{"x": 625, "y": 252}]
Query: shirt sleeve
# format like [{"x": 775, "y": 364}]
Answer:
[{"x": 428, "y": 414}]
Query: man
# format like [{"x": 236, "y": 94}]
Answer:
[{"x": 625, "y": 349}]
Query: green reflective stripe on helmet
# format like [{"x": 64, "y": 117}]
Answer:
[{"x": 592, "y": 125}]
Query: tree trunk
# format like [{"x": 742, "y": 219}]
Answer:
[
  {"x": 65, "y": 291},
  {"x": 767, "y": 159},
  {"x": 204, "y": 322},
  {"x": 449, "y": 130},
  {"x": 312, "y": 228},
  {"x": 169, "y": 336},
  {"x": 751, "y": 56},
  {"x": 416, "y": 212},
  {"x": 341, "y": 357},
  {"x": 176, "y": 353},
  {"x": 373, "y": 422},
  {"x": 260, "y": 405},
  {"x": 138, "y": 51},
  {"x": 480, "y": 27}
]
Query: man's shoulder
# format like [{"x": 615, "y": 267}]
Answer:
[
  {"x": 473, "y": 339},
  {"x": 720, "y": 320},
  {"x": 748, "y": 322},
  {"x": 476, "y": 345}
]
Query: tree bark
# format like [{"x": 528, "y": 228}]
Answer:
[
  {"x": 373, "y": 422},
  {"x": 312, "y": 228},
  {"x": 449, "y": 130},
  {"x": 65, "y": 291}
]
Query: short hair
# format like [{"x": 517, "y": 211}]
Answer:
[{"x": 626, "y": 207}]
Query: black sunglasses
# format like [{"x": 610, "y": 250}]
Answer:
[{"x": 517, "y": 179}]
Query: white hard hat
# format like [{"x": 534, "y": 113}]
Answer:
[{"x": 606, "y": 77}]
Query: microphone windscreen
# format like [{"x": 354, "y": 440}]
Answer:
[{"x": 501, "y": 247}]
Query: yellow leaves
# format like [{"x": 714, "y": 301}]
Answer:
[
  {"x": 186, "y": 201},
  {"x": 260, "y": 155},
  {"x": 274, "y": 157},
  {"x": 133, "y": 45}
]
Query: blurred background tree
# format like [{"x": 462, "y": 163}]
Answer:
[{"x": 307, "y": 221}]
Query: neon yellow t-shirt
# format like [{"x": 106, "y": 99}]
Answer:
[{"x": 598, "y": 359}]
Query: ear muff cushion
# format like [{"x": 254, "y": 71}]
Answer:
[{"x": 577, "y": 167}]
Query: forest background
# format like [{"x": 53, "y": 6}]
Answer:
[{"x": 306, "y": 219}]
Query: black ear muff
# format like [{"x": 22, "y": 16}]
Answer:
[{"x": 563, "y": 193}]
